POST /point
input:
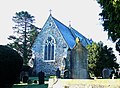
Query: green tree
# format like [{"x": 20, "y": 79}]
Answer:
[
  {"x": 107, "y": 58},
  {"x": 111, "y": 19},
  {"x": 100, "y": 57},
  {"x": 24, "y": 34},
  {"x": 93, "y": 56}
]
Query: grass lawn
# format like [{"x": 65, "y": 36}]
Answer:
[
  {"x": 31, "y": 86},
  {"x": 25, "y": 85}
]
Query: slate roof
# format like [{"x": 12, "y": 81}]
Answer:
[{"x": 70, "y": 34}]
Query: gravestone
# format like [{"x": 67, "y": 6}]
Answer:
[
  {"x": 29, "y": 81},
  {"x": 41, "y": 77},
  {"x": 22, "y": 74},
  {"x": 106, "y": 73},
  {"x": 66, "y": 74},
  {"x": 35, "y": 81},
  {"x": 67, "y": 67},
  {"x": 77, "y": 59},
  {"x": 25, "y": 79},
  {"x": 58, "y": 73}
]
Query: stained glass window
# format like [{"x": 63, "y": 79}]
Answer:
[{"x": 49, "y": 49}]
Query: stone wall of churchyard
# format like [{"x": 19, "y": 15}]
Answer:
[
  {"x": 48, "y": 30},
  {"x": 84, "y": 83}
]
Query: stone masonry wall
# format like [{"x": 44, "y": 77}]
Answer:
[{"x": 49, "y": 29}]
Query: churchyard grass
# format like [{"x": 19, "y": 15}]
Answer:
[
  {"x": 25, "y": 85},
  {"x": 31, "y": 86}
]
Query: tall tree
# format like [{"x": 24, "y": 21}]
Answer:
[
  {"x": 100, "y": 57},
  {"x": 24, "y": 34},
  {"x": 111, "y": 19}
]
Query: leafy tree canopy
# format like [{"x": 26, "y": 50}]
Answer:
[
  {"x": 100, "y": 57},
  {"x": 111, "y": 19}
]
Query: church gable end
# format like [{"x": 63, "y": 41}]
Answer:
[{"x": 49, "y": 48}]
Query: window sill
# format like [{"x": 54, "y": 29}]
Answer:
[{"x": 49, "y": 60}]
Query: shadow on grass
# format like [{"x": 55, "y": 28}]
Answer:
[{"x": 31, "y": 86}]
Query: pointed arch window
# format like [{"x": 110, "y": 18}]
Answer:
[{"x": 49, "y": 50}]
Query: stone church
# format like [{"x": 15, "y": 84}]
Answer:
[{"x": 59, "y": 46}]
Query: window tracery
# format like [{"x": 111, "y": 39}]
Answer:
[{"x": 49, "y": 49}]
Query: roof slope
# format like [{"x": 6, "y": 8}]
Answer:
[
  {"x": 82, "y": 38},
  {"x": 65, "y": 31},
  {"x": 70, "y": 34}
]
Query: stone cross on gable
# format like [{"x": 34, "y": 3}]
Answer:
[
  {"x": 69, "y": 23},
  {"x": 50, "y": 11}
]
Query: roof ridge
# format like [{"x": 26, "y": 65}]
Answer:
[
  {"x": 70, "y": 29},
  {"x": 59, "y": 22},
  {"x": 66, "y": 33}
]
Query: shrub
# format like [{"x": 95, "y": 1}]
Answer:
[{"x": 10, "y": 66}]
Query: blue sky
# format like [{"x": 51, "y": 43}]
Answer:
[{"x": 83, "y": 14}]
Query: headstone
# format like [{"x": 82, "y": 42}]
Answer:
[
  {"x": 78, "y": 61},
  {"x": 35, "y": 81},
  {"x": 58, "y": 73},
  {"x": 66, "y": 74},
  {"x": 22, "y": 74},
  {"x": 106, "y": 73},
  {"x": 29, "y": 81},
  {"x": 41, "y": 77},
  {"x": 25, "y": 79},
  {"x": 67, "y": 68}
]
